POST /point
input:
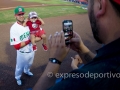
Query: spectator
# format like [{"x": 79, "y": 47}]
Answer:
[{"x": 104, "y": 17}]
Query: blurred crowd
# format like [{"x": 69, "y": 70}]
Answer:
[{"x": 78, "y": 1}]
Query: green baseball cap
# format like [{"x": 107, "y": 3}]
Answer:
[{"x": 19, "y": 10}]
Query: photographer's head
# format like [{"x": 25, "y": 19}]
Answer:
[{"x": 104, "y": 18}]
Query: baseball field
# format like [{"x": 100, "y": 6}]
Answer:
[{"x": 53, "y": 13}]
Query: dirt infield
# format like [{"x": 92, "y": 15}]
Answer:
[{"x": 53, "y": 24}]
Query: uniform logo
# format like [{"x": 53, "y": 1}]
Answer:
[
  {"x": 24, "y": 35},
  {"x": 34, "y": 25},
  {"x": 12, "y": 40},
  {"x": 20, "y": 9}
]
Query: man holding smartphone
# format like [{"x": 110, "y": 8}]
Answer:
[{"x": 104, "y": 18}]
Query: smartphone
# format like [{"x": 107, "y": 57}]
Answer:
[{"x": 68, "y": 30}]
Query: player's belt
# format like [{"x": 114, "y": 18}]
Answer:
[{"x": 24, "y": 52}]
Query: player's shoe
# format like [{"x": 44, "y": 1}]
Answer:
[
  {"x": 44, "y": 47},
  {"x": 19, "y": 82},
  {"x": 34, "y": 48},
  {"x": 29, "y": 73}
]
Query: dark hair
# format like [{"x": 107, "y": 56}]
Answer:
[{"x": 116, "y": 7}]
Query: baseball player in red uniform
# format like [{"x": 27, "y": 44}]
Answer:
[
  {"x": 19, "y": 38},
  {"x": 34, "y": 22}
]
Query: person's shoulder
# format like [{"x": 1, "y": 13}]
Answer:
[{"x": 13, "y": 26}]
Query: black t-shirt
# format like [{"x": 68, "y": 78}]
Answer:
[{"x": 103, "y": 73}]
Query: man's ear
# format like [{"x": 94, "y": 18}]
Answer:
[{"x": 102, "y": 8}]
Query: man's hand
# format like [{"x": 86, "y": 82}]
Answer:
[
  {"x": 78, "y": 46},
  {"x": 75, "y": 61},
  {"x": 41, "y": 21},
  {"x": 26, "y": 20},
  {"x": 58, "y": 50},
  {"x": 57, "y": 46},
  {"x": 76, "y": 42}
]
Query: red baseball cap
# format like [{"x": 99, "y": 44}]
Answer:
[{"x": 117, "y": 1}]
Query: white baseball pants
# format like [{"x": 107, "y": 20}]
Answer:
[{"x": 23, "y": 63}]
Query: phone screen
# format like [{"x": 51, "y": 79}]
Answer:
[{"x": 68, "y": 30}]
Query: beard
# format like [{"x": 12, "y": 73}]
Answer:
[
  {"x": 20, "y": 21},
  {"x": 94, "y": 26}
]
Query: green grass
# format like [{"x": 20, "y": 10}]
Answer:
[
  {"x": 43, "y": 12},
  {"x": 48, "y": 1}
]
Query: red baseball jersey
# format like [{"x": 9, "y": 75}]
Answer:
[{"x": 33, "y": 26}]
